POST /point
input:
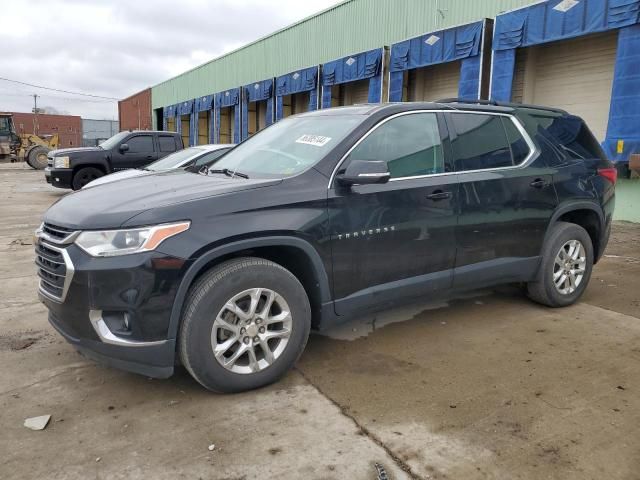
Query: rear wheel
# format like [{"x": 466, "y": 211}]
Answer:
[
  {"x": 567, "y": 262},
  {"x": 37, "y": 157},
  {"x": 244, "y": 325},
  {"x": 84, "y": 176}
]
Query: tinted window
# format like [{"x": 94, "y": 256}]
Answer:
[
  {"x": 210, "y": 157},
  {"x": 140, "y": 144},
  {"x": 167, "y": 144},
  {"x": 410, "y": 144},
  {"x": 572, "y": 135},
  {"x": 481, "y": 142},
  {"x": 519, "y": 147}
]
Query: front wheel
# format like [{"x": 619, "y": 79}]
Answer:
[
  {"x": 245, "y": 323},
  {"x": 567, "y": 262},
  {"x": 37, "y": 157},
  {"x": 85, "y": 175}
]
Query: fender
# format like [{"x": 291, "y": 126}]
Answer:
[
  {"x": 103, "y": 162},
  {"x": 273, "y": 241},
  {"x": 572, "y": 205}
]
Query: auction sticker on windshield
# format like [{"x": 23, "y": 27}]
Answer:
[{"x": 315, "y": 140}]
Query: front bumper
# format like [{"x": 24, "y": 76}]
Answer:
[
  {"x": 115, "y": 310},
  {"x": 59, "y": 177}
]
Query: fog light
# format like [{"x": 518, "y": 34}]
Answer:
[{"x": 118, "y": 322}]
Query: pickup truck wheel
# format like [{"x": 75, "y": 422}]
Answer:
[
  {"x": 244, "y": 325},
  {"x": 84, "y": 176},
  {"x": 567, "y": 262}
]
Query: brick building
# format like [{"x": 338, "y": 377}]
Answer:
[
  {"x": 68, "y": 127},
  {"x": 134, "y": 112}
]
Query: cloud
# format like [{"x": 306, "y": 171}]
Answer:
[{"x": 116, "y": 48}]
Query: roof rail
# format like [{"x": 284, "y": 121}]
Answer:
[
  {"x": 468, "y": 100},
  {"x": 502, "y": 104}
]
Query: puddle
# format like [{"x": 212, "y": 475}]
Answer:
[{"x": 363, "y": 326}]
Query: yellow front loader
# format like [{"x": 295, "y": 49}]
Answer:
[{"x": 27, "y": 147}]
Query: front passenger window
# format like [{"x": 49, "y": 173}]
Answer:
[
  {"x": 140, "y": 144},
  {"x": 410, "y": 144}
]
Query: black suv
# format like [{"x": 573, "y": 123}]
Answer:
[
  {"x": 75, "y": 167},
  {"x": 316, "y": 218}
]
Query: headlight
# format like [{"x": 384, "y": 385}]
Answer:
[
  {"x": 110, "y": 243},
  {"x": 60, "y": 162}
]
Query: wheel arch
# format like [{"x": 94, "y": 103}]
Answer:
[
  {"x": 586, "y": 214},
  {"x": 294, "y": 254}
]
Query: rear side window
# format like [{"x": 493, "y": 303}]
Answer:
[
  {"x": 167, "y": 143},
  {"x": 480, "y": 142},
  {"x": 571, "y": 134},
  {"x": 140, "y": 144},
  {"x": 409, "y": 144}
]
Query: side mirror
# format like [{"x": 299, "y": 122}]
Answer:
[
  {"x": 124, "y": 148},
  {"x": 363, "y": 172}
]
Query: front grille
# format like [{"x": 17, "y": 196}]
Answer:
[
  {"x": 56, "y": 232},
  {"x": 52, "y": 270}
]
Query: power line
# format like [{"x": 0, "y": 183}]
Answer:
[{"x": 57, "y": 89}]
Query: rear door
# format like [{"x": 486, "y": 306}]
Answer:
[
  {"x": 395, "y": 240},
  {"x": 166, "y": 145},
  {"x": 506, "y": 199}
]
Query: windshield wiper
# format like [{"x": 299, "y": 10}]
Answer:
[{"x": 228, "y": 173}]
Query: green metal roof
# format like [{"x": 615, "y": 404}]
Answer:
[{"x": 348, "y": 27}]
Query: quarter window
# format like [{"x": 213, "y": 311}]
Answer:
[
  {"x": 167, "y": 143},
  {"x": 140, "y": 144},
  {"x": 480, "y": 142},
  {"x": 210, "y": 157},
  {"x": 410, "y": 144}
]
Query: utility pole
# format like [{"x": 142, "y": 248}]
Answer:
[{"x": 36, "y": 127}]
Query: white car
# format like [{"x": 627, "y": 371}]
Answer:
[{"x": 189, "y": 157}]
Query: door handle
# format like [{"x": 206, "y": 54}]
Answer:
[
  {"x": 539, "y": 183},
  {"x": 149, "y": 157},
  {"x": 439, "y": 195}
]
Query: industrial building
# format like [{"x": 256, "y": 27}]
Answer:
[
  {"x": 95, "y": 132},
  {"x": 134, "y": 112},
  {"x": 581, "y": 55}
]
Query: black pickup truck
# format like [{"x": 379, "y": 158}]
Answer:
[{"x": 75, "y": 167}]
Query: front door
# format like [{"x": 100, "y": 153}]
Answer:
[
  {"x": 506, "y": 200},
  {"x": 141, "y": 152},
  {"x": 395, "y": 240}
]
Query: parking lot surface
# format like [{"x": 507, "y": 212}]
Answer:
[{"x": 489, "y": 385}]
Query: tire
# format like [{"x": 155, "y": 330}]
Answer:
[
  {"x": 201, "y": 326},
  {"x": 544, "y": 290},
  {"x": 37, "y": 157},
  {"x": 84, "y": 176}
]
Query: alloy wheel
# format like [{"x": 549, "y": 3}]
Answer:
[
  {"x": 569, "y": 267},
  {"x": 251, "y": 331}
]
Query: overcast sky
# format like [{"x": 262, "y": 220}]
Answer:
[{"x": 115, "y": 48}]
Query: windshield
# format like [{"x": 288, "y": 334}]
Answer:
[
  {"x": 175, "y": 159},
  {"x": 113, "y": 141},
  {"x": 289, "y": 146},
  {"x": 4, "y": 125}
]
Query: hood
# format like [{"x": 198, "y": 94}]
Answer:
[
  {"x": 112, "y": 204},
  {"x": 112, "y": 177},
  {"x": 69, "y": 151}
]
